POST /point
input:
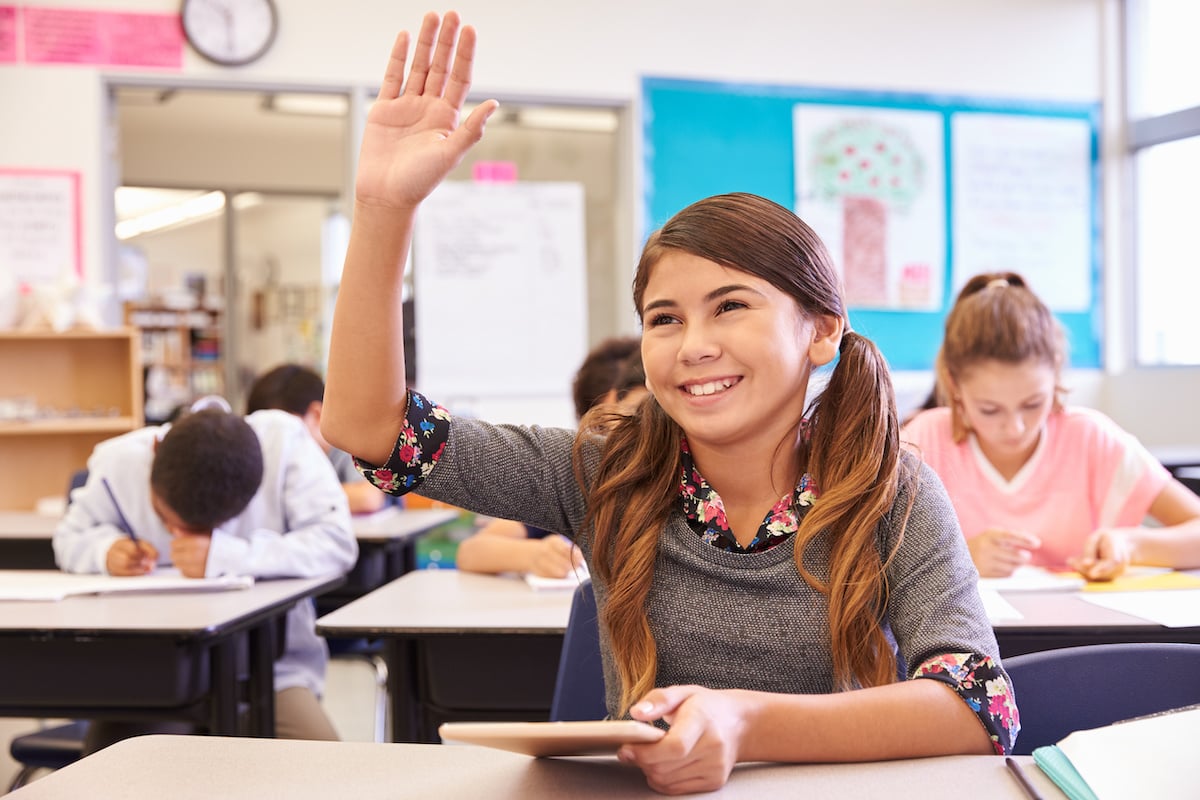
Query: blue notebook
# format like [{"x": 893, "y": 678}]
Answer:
[{"x": 1058, "y": 768}]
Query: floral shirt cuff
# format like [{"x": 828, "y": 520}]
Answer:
[
  {"x": 981, "y": 684},
  {"x": 417, "y": 449}
]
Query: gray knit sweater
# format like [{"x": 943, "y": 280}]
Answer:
[{"x": 723, "y": 619}]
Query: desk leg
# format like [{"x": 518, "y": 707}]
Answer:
[
  {"x": 261, "y": 680},
  {"x": 402, "y": 690},
  {"x": 223, "y": 697}
]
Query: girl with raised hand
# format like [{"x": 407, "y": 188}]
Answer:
[
  {"x": 1035, "y": 481},
  {"x": 776, "y": 581}
]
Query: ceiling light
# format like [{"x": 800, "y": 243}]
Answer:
[{"x": 313, "y": 105}]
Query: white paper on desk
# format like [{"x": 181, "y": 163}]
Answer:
[
  {"x": 1149, "y": 757},
  {"x": 41, "y": 585},
  {"x": 541, "y": 584},
  {"x": 1179, "y": 608},
  {"x": 997, "y": 608},
  {"x": 1034, "y": 579}
]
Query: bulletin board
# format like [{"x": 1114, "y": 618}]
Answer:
[
  {"x": 500, "y": 281},
  {"x": 911, "y": 193}
]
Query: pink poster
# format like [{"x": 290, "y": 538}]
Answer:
[
  {"x": 108, "y": 38},
  {"x": 8, "y": 34}
]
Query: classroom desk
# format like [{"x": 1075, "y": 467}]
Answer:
[
  {"x": 197, "y": 656},
  {"x": 460, "y": 646},
  {"x": 203, "y": 767},
  {"x": 386, "y": 550},
  {"x": 1063, "y": 619},
  {"x": 25, "y": 540}
]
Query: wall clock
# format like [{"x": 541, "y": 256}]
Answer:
[{"x": 230, "y": 32}]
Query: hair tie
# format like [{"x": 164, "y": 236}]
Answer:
[{"x": 997, "y": 283}]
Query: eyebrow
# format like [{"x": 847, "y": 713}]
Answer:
[{"x": 708, "y": 298}]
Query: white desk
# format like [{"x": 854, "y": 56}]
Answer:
[
  {"x": 460, "y": 647},
  {"x": 1062, "y": 619},
  {"x": 160, "y": 656},
  {"x": 204, "y": 767}
]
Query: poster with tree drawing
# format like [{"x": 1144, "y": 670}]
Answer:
[{"x": 871, "y": 182}]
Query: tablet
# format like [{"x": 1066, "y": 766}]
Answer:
[{"x": 601, "y": 737}]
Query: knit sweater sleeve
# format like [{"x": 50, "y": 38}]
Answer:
[{"x": 934, "y": 609}]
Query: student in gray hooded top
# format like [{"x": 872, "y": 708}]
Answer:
[{"x": 775, "y": 582}]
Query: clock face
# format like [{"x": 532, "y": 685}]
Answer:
[{"x": 230, "y": 32}]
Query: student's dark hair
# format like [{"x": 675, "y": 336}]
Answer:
[
  {"x": 853, "y": 454},
  {"x": 207, "y": 467},
  {"x": 290, "y": 387},
  {"x": 996, "y": 317},
  {"x": 630, "y": 375},
  {"x": 598, "y": 372}
]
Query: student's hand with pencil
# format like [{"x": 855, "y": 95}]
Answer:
[
  {"x": 997, "y": 553},
  {"x": 413, "y": 137},
  {"x": 699, "y": 751},
  {"x": 1106, "y": 554},
  {"x": 554, "y": 556},
  {"x": 189, "y": 552},
  {"x": 129, "y": 557}
]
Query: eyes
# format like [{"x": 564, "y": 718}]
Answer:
[
  {"x": 1031, "y": 406},
  {"x": 663, "y": 318}
]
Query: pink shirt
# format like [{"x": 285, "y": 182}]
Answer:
[{"x": 1085, "y": 474}]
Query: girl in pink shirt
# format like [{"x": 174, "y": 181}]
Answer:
[{"x": 1034, "y": 481}]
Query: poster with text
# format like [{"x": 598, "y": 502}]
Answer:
[{"x": 39, "y": 225}]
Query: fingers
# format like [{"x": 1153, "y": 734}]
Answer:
[
  {"x": 393, "y": 75},
  {"x": 423, "y": 52},
  {"x": 435, "y": 81},
  {"x": 464, "y": 64}
]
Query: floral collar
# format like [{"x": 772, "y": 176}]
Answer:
[{"x": 706, "y": 512}]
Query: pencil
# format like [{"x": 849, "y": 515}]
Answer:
[
  {"x": 125, "y": 526},
  {"x": 1019, "y": 774}
]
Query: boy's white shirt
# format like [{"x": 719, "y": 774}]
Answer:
[{"x": 297, "y": 525}]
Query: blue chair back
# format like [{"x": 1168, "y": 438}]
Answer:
[
  {"x": 579, "y": 689},
  {"x": 78, "y": 478},
  {"x": 1076, "y": 688}
]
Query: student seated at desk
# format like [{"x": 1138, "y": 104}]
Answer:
[
  {"x": 777, "y": 581},
  {"x": 216, "y": 494},
  {"x": 1034, "y": 481},
  {"x": 299, "y": 390},
  {"x": 611, "y": 373}
]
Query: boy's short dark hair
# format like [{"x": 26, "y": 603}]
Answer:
[
  {"x": 290, "y": 387},
  {"x": 207, "y": 467},
  {"x": 598, "y": 372}
]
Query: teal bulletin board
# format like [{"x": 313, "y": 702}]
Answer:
[{"x": 912, "y": 193}]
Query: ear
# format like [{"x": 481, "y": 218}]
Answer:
[
  {"x": 827, "y": 337},
  {"x": 312, "y": 414}
]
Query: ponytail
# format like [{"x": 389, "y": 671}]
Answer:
[{"x": 854, "y": 459}]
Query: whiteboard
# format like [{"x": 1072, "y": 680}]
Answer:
[{"x": 499, "y": 287}]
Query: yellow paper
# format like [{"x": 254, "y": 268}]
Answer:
[{"x": 1142, "y": 583}]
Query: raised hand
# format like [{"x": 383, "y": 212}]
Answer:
[{"x": 413, "y": 137}]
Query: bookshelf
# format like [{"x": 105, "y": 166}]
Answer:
[
  {"x": 62, "y": 394},
  {"x": 182, "y": 351}
]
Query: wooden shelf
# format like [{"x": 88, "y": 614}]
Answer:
[
  {"x": 185, "y": 350},
  {"x": 58, "y": 373}
]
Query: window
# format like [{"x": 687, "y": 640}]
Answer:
[{"x": 1164, "y": 116}]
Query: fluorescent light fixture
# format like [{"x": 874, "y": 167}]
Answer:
[
  {"x": 587, "y": 120},
  {"x": 193, "y": 209},
  {"x": 312, "y": 105}
]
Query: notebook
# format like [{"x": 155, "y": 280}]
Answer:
[
  {"x": 50, "y": 585},
  {"x": 1145, "y": 757},
  {"x": 541, "y": 584}
]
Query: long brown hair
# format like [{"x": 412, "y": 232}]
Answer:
[
  {"x": 996, "y": 317},
  {"x": 853, "y": 452}
]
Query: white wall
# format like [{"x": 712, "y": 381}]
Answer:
[{"x": 1036, "y": 49}]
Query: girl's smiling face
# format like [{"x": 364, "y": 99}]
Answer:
[{"x": 727, "y": 355}]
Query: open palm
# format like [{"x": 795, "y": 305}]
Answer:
[{"x": 413, "y": 137}]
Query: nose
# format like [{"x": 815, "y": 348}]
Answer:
[
  {"x": 698, "y": 344},
  {"x": 1016, "y": 424}
]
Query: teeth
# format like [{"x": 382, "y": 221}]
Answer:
[{"x": 700, "y": 389}]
